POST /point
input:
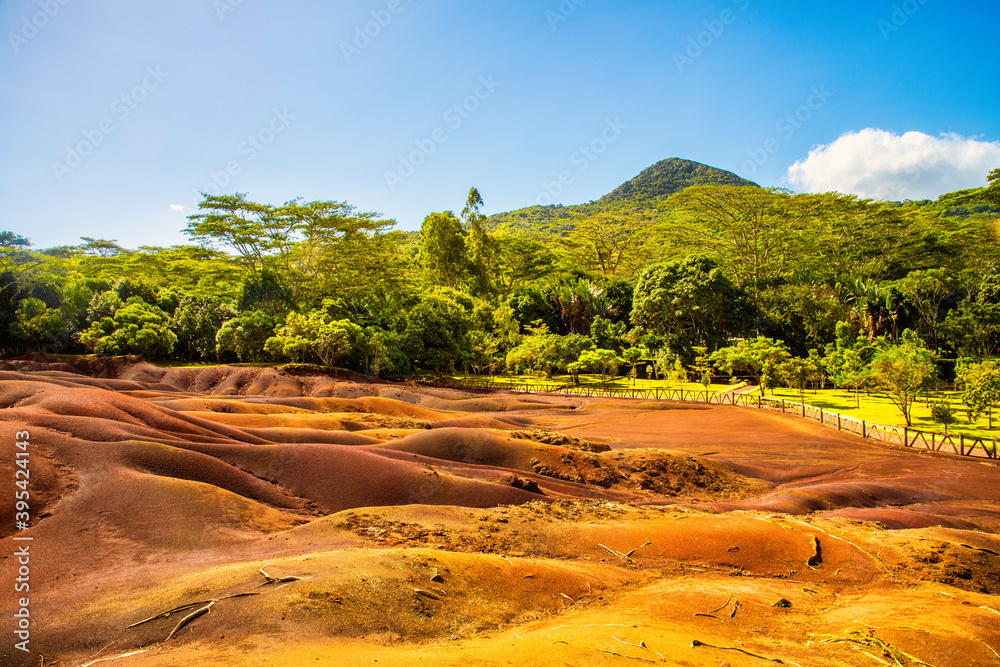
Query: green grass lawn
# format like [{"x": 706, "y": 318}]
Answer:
[{"x": 879, "y": 409}]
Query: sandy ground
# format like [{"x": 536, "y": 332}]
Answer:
[{"x": 252, "y": 516}]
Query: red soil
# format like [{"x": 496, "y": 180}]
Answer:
[{"x": 549, "y": 522}]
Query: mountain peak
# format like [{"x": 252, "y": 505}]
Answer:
[{"x": 668, "y": 177}]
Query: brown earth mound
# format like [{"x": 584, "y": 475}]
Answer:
[{"x": 248, "y": 516}]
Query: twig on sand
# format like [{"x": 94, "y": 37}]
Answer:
[
  {"x": 113, "y": 657},
  {"x": 190, "y": 617},
  {"x": 611, "y": 551},
  {"x": 644, "y": 544},
  {"x": 277, "y": 580},
  {"x": 167, "y": 613},
  {"x": 623, "y": 556},
  {"x": 722, "y": 606},
  {"x": 695, "y": 644},
  {"x": 587, "y": 648},
  {"x": 874, "y": 642},
  {"x": 203, "y": 607},
  {"x": 641, "y": 644}
]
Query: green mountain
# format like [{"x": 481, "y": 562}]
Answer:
[
  {"x": 642, "y": 193},
  {"x": 668, "y": 177}
]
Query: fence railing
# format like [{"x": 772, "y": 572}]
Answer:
[{"x": 963, "y": 445}]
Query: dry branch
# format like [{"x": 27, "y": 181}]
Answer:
[
  {"x": 190, "y": 617},
  {"x": 695, "y": 644}
]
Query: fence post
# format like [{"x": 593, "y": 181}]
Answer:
[
  {"x": 782, "y": 406},
  {"x": 803, "y": 408},
  {"x": 906, "y": 437},
  {"x": 838, "y": 421},
  {"x": 961, "y": 444},
  {"x": 821, "y": 416},
  {"x": 864, "y": 430}
]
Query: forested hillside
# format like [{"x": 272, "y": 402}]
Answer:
[
  {"x": 677, "y": 263},
  {"x": 643, "y": 193}
]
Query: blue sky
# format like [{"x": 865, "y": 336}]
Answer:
[{"x": 116, "y": 114}]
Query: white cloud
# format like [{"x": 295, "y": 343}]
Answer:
[
  {"x": 178, "y": 208},
  {"x": 882, "y": 165}
]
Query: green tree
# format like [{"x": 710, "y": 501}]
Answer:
[
  {"x": 253, "y": 230},
  {"x": 38, "y": 325},
  {"x": 981, "y": 388},
  {"x": 315, "y": 335},
  {"x": 973, "y": 328},
  {"x": 904, "y": 370},
  {"x": 992, "y": 194},
  {"x": 677, "y": 375},
  {"x": 435, "y": 335},
  {"x": 600, "y": 361},
  {"x": 797, "y": 372},
  {"x": 927, "y": 291},
  {"x": 196, "y": 321},
  {"x": 611, "y": 243},
  {"x": 481, "y": 246},
  {"x": 16, "y": 263},
  {"x": 753, "y": 230},
  {"x": 943, "y": 414},
  {"x": 135, "y": 328},
  {"x": 608, "y": 334},
  {"x": 342, "y": 250},
  {"x": 759, "y": 357},
  {"x": 442, "y": 249},
  {"x": 633, "y": 357},
  {"x": 848, "y": 360},
  {"x": 518, "y": 261},
  {"x": 246, "y": 335},
  {"x": 689, "y": 303}
]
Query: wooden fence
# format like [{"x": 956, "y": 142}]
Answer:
[{"x": 963, "y": 445}]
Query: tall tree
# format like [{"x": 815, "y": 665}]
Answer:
[
  {"x": 927, "y": 291},
  {"x": 753, "y": 230},
  {"x": 981, "y": 388},
  {"x": 253, "y": 230},
  {"x": 519, "y": 260},
  {"x": 903, "y": 371},
  {"x": 442, "y": 248},
  {"x": 689, "y": 302},
  {"x": 760, "y": 358},
  {"x": 481, "y": 246},
  {"x": 611, "y": 243},
  {"x": 992, "y": 194},
  {"x": 342, "y": 250}
]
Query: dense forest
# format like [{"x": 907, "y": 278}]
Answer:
[{"x": 680, "y": 269}]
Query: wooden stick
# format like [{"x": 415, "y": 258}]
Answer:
[
  {"x": 695, "y": 644},
  {"x": 190, "y": 617},
  {"x": 724, "y": 605}
]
